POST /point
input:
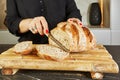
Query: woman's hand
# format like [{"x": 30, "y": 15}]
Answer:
[
  {"x": 76, "y": 20},
  {"x": 39, "y": 25},
  {"x": 35, "y": 25}
]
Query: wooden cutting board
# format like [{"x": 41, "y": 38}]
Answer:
[{"x": 98, "y": 60}]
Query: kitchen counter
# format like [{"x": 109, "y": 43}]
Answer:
[{"x": 61, "y": 75}]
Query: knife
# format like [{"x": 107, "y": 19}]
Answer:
[{"x": 49, "y": 35}]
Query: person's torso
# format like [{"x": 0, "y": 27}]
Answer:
[{"x": 53, "y": 10}]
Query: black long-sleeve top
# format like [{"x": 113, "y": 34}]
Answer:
[{"x": 54, "y": 11}]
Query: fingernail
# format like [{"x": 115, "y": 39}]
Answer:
[
  {"x": 47, "y": 31},
  {"x": 42, "y": 35},
  {"x": 80, "y": 23}
]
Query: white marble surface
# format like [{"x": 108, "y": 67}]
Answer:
[{"x": 7, "y": 38}]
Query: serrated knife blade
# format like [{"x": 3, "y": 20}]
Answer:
[{"x": 49, "y": 35}]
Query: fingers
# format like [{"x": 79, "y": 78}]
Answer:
[
  {"x": 33, "y": 30},
  {"x": 32, "y": 27},
  {"x": 45, "y": 25},
  {"x": 39, "y": 25},
  {"x": 76, "y": 20}
]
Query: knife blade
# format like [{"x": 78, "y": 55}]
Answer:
[{"x": 49, "y": 35}]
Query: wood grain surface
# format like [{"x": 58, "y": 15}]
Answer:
[{"x": 97, "y": 60}]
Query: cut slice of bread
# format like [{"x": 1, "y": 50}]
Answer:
[
  {"x": 50, "y": 52},
  {"x": 24, "y": 47}
]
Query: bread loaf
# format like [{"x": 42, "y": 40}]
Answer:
[
  {"x": 73, "y": 36},
  {"x": 50, "y": 52},
  {"x": 25, "y": 47}
]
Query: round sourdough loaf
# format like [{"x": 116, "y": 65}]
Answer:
[
  {"x": 73, "y": 36},
  {"x": 49, "y": 52},
  {"x": 24, "y": 47}
]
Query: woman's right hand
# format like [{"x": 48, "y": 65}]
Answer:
[
  {"x": 39, "y": 25},
  {"x": 35, "y": 25}
]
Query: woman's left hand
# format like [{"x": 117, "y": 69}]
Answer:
[{"x": 76, "y": 20}]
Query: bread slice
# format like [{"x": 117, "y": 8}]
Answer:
[
  {"x": 50, "y": 52},
  {"x": 24, "y": 47},
  {"x": 73, "y": 37}
]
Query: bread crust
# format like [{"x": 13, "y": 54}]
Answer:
[
  {"x": 49, "y": 52},
  {"x": 23, "y": 48},
  {"x": 73, "y": 36}
]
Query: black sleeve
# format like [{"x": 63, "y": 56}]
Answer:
[
  {"x": 72, "y": 10},
  {"x": 12, "y": 18}
]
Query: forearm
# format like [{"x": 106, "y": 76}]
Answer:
[{"x": 24, "y": 25}]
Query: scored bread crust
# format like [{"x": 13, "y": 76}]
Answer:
[
  {"x": 49, "y": 52},
  {"x": 25, "y": 47},
  {"x": 73, "y": 37}
]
